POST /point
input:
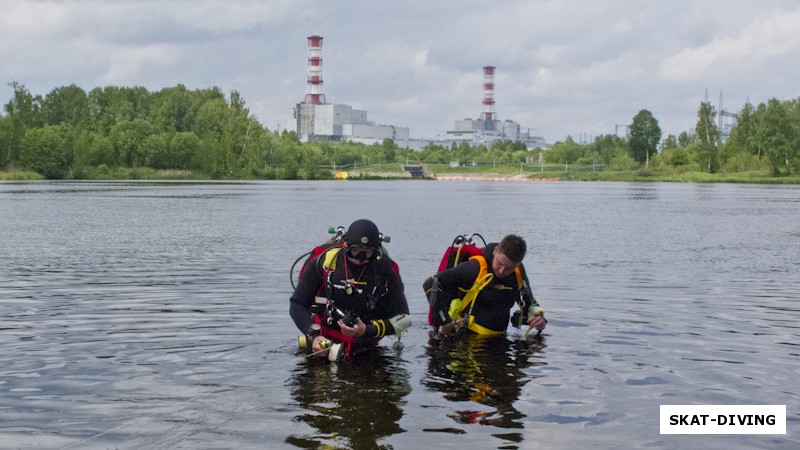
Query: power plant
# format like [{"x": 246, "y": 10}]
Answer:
[
  {"x": 488, "y": 128},
  {"x": 318, "y": 120}
]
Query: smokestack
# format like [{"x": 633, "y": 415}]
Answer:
[
  {"x": 314, "y": 93},
  {"x": 488, "y": 94}
]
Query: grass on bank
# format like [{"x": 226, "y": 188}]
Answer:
[
  {"x": 395, "y": 171},
  {"x": 19, "y": 175},
  {"x": 644, "y": 175}
]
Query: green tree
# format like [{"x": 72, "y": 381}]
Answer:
[
  {"x": 5, "y": 138},
  {"x": 566, "y": 152},
  {"x": 68, "y": 104},
  {"x": 434, "y": 154},
  {"x": 685, "y": 139},
  {"x": 23, "y": 113},
  {"x": 182, "y": 148},
  {"x": 389, "y": 150},
  {"x": 174, "y": 110},
  {"x": 793, "y": 113},
  {"x": 81, "y": 142},
  {"x": 708, "y": 138},
  {"x": 259, "y": 150},
  {"x": 312, "y": 158},
  {"x": 645, "y": 134},
  {"x": 156, "y": 151},
  {"x": 669, "y": 143},
  {"x": 288, "y": 154},
  {"x": 101, "y": 118},
  {"x": 675, "y": 157},
  {"x": 742, "y": 132},
  {"x": 101, "y": 151},
  {"x": 781, "y": 143},
  {"x": 128, "y": 138},
  {"x": 239, "y": 125},
  {"x": 213, "y": 128},
  {"x": 608, "y": 147},
  {"x": 111, "y": 105},
  {"x": 44, "y": 151}
]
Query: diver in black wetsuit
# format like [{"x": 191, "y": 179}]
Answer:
[
  {"x": 350, "y": 294},
  {"x": 485, "y": 288}
]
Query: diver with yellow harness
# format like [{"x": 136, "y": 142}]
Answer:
[
  {"x": 349, "y": 294},
  {"x": 476, "y": 288}
]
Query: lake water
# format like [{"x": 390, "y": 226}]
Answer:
[{"x": 155, "y": 315}]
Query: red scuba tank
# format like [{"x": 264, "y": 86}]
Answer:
[{"x": 460, "y": 250}]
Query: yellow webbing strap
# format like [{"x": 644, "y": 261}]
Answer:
[
  {"x": 480, "y": 329},
  {"x": 458, "y": 256},
  {"x": 330, "y": 258},
  {"x": 483, "y": 279}
]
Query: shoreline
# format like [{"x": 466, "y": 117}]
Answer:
[
  {"x": 487, "y": 177},
  {"x": 628, "y": 176}
]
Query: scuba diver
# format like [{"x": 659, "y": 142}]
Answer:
[
  {"x": 475, "y": 289},
  {"x": 349, "y": 294}
]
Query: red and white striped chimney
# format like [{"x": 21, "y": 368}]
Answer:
[
  {"x": 488, "y": 94},
  {"x": 314, "y": 93}
]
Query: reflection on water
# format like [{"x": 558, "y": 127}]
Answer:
[
  {"x": 485, "y": 376},
  {"x": 354, "y": 404},
  {"x": 643, "y": 191}
]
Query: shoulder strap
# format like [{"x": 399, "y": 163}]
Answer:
[
  {"x": 329, "y": 264},
  {"x": 484, "y": 267},
  {"x": 328, "y": 267},
  {"x": 481, "y": 281}
]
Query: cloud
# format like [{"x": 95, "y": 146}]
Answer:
[
  {"x": 772, "y": 38},
  {"x": 563, "y": 67},
  {"x": 126, "y": 65}
]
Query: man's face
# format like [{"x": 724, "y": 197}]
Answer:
[
  {"x": 501, "y": 265},
  {"x": 360, "y": 254}
]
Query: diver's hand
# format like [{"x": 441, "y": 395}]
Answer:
[
  {"x": 356, "y": 330},
  {"x": 536, "y": 323},
  {"x": 319, "y": 346},
  {"x": 449, "y": 328}
]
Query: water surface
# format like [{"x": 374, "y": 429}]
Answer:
[{"x": 155, "y": 315}]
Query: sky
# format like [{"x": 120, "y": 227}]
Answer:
[{"x": 576, "y": 68}]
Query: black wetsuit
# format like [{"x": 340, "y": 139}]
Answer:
[
  {"x": 493, "y": 304},
  {"x": 378, "y": 294}
]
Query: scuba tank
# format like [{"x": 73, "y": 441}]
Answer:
[
  {"x": 337, "y": 240},
  {"x": 460, "y": 250}
]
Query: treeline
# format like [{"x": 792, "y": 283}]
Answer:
[
  {"x": 766, "y": 138},
  {"x": 71, "y": 133}
]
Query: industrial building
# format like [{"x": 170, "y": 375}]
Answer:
[
  {"x": 487, "y": 128},
  {"x": 342, "y": 122},
  {"x": 318, "y": 120}
]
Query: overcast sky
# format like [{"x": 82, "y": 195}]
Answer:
[{"x": 563, "y": 67}]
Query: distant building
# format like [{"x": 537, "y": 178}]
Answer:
[
  {"x": 342, "y": 122},
  {"x": 487, "y": 128},
  {"x": 484, "y": 132},
  {"x": 318, "y": 120}
]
